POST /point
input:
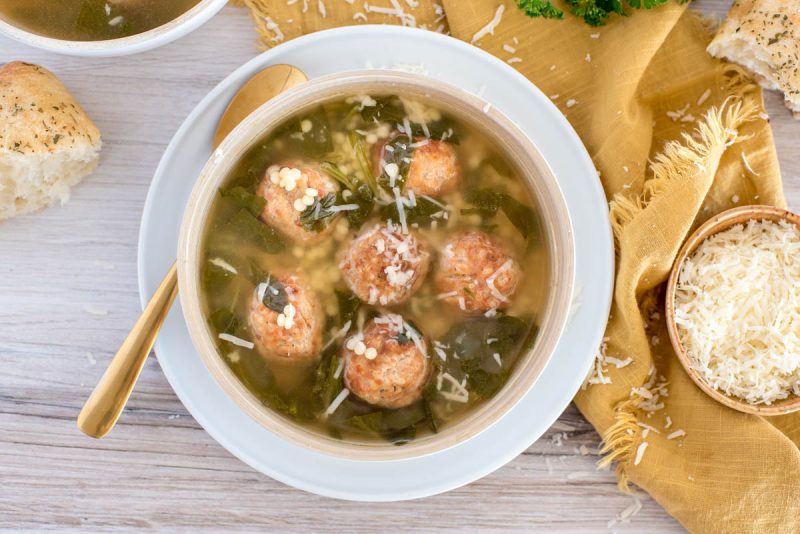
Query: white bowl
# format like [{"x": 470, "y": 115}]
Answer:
[
  {"x": 521, "y": 153},
  {"x": 166, "y": 33}
]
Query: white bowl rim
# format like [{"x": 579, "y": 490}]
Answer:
[
  {"x": 551, "y": 327},
  {"x": 182, "y": 25}
]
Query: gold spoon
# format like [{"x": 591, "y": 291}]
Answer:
[{"x": 105, "y": 404}]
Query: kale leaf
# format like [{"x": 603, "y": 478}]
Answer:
[
  {"x": 390, "y": 109},
  {"x": 316, "y": 142},
  {"x": 215, "y": 277},
  {"x": 421, "y": 214},
  {"x": 224, "y": 321},
  {"x": 360, "y": 194},
  {"x": 244, "y": 199},
  {"x": 486, "y": 203},
  {"x": 360, "y": 151},
  {"x": 246, "y": 226},
  {"x": 348, "y": 305},
  {"x": 275, "y": 297},
  {"x": 397, "y": 426},
  {"x": 326, "y": 386},
  {"x": 476, "y": 341},
  {"x": 314, "y": 218},
  {"x": 398, "y": 150}
]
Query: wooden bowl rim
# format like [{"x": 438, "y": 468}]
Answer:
[
  {"x": 713, "y": 226},
  {"x": 539, "y": 177}
]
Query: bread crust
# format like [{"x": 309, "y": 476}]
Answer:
[
  {"x": 47, "y": 142},
  {"x": 764, "y": 37},
  {"x": 38, "y": 115}
]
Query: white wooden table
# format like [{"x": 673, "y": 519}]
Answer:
[{"x": 68, "y": 296}]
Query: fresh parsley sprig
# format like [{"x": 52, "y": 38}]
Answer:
[
  {"x": 540, "y": 8},
  {"x": 593, "y": 12}
]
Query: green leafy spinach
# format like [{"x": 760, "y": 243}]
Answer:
[
  {"x": 487, "y": 202},
  {"x": 246, "y": 226},
  {"x": 242, "y": 198}
]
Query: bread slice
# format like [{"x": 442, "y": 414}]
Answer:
[
  {"x": 764, "y": 37},
  {"x": 47, "y": 142}
]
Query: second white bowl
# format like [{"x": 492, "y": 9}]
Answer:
[{"x": 176, "y": 28}]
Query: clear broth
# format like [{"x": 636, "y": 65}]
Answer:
[
  {"x": 91, "y": 20},
  {"x": 302, "y": 394}
]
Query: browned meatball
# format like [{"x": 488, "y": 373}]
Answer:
[
  {"x": 295, "y": 332},
  {"x": 476, "y": 274},
  {"x": 386, "y": 364},
  {"x": 434, "y": 168},
  {"x": 288, "y": 190},
  {"x": 385, "y": 266}
]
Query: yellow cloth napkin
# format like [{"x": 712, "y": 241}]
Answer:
[{"x": 635, "y": 90}]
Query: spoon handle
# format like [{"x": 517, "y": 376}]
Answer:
[{"x": 105, "y": 404}]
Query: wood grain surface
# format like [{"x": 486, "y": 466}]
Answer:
[{"x": 68, "y": 296}]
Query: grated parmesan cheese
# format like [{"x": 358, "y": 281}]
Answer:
[
  {"x": 490, "y": 26},
  {"x": 640, "y": 452},
  {"x": 747, "y": 165},
  {"x": 737, "y": 309},
  {"x": 678, "y": 114},
  {"x": 222, "y": 264},
  {"x": 704, "y": 97},
  {"x": 406, "y": 19},
  {"x": 598, "y": 372},
  {"x": 277, "y": 34},
  {"x": 95, "y": 310},
  {"x": 104, "y": 264},
  {"x": 677, "y": 434},
  {"x": 239, "y": 342},
  {"x": 337, "y": 401},
  {"x": 338, "y": 334}
]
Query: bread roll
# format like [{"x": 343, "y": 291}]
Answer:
[
  {"x": 764, "y": 37},
  {"x": 47, "y": 142}
]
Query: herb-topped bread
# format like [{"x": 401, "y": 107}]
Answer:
[
  {"x": 47, "y": 142},
  {"x": 764, "y": 37}
]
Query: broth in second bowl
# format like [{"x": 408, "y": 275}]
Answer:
[
  {"x": 373, "y": 269},
  {"x": 91, "y": 20}
]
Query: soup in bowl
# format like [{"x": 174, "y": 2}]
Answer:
[
  {"x": 102, "y": 27},
  {"x": 376, "y": 265}
]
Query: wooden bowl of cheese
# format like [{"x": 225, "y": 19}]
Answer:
[{"x": 733, "y": 309}]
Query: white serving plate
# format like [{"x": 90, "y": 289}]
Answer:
[
  {"x": 186, "y": 23},
  {"x": 463, "y": 65}
]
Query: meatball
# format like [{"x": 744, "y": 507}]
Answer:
[
  {"x": 385, "y": 266},
  {"x": 476, "y": 274},
  {"x": 295, "y": 332},
  {"x": 434, "y": 168},
  {"x": 289, "y": 190},
  {"x": 386, "y": 364}
]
